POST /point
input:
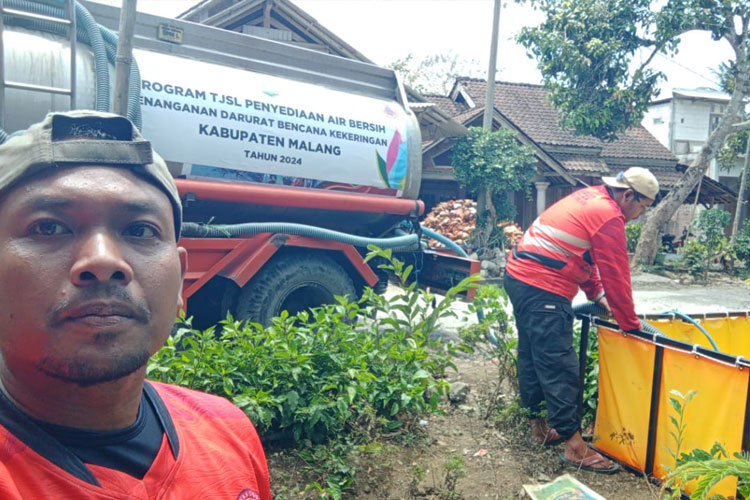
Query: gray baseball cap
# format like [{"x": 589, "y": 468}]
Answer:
[{"x": 81, "y": 137}]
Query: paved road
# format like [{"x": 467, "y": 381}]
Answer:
[{"x": 657, "y": 294}]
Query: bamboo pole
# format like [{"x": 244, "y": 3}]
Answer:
[{"x": 692, "y": 210}]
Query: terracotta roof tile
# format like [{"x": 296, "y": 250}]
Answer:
[
  {"x": 447, "y": 105},
  {"x": 580, "y": 164},
  {"x": 468, "y": 116},
  {"x": 667, "y": 176},
  {"x": 637, "y": 142},
  {"x": 527, "y": 107}
]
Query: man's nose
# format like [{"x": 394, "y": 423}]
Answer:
[{"x": 99, "y": 259}]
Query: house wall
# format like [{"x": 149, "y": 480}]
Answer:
[
  {"x": 680, "y": 220},
  {"x": 733, "y": 173},
  {"x": 526, "y": 208},
  {"x": 657, "y": 121},
  {"x": 683, "y": 125},
  {"x": 693, "y": 122}
]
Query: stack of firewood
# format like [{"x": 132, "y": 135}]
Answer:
[{"x": 457, "y": 219}]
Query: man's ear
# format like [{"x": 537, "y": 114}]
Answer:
[
  {"x": 628, "y": 195},
  {"x": 183, "y": 271}
]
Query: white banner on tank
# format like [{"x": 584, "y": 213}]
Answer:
[{"x": 235, "y": 124}]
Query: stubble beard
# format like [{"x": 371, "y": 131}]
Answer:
[{"x": 85, "y": 373}]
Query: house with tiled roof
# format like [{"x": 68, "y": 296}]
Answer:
[{"x": 566, "y": 160}]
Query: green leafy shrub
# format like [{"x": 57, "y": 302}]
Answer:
[
  {"x": 708, "y": 468},
  {"x": 334, "y": 467},
  {"x": 693, "y": 258},
  {"x": 495, "y": 327},
  {"x": 711, "y": 224},
  {"x": 455, "y": 469},
  {"x": 493, "y": 164},
  {"x": 679, "y": 403},
  {"x": 742, "y": 246},
  {"x": 317, "y": 374},
  {"x": 348, "y": 371},
  {"x": 710, "y": 244},
  {"x": 591, "y": 381},
  {"x": 705, "y": 467},
  {"x": 632, "y": 234}
]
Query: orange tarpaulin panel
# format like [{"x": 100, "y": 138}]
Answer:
[
  {"x": 716, "y": 413},
  {"x": 626, "y": 366}
]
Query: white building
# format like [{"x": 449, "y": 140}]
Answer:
[{"x": 684, "y": 121}]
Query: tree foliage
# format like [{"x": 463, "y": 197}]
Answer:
[
  {"x": 435, "y": 74},
  {"x": 586, "y": 50},
  {"x": 595, "y": 57},
  {"x": 493, "y": 162},
  {"x": 711, "y": 224},
  {"x": 587, "y": 44},
  {"x": 732, "y": 150}
]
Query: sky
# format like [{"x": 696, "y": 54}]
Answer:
[{"x": 387, "y": 30}]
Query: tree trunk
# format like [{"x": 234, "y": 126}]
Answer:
[
  {"x": 741, "y": 194},
  {"x": 486, "y": 218},
  {"x": 481, "y": 215},
  {"x": 491, "y": 215},
  {"x": 648, "y": 243}
]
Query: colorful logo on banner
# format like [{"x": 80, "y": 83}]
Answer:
[{"x": 393, "y": 168}]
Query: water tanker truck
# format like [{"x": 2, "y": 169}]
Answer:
[{"x": 289, "y": 161}]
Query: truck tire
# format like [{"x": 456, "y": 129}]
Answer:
[{"x": 293, "y": 283}]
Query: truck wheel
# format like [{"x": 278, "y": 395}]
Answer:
[{"x": 294, "y": 284}]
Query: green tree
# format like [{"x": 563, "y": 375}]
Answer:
[
  {"x": 711, "y": 224},
  {"x": 732, "y": 150},
  {"x": 587, "y": 52},
  {"x": 435, "y": 74},
  {"x": 497, "y": 163}
]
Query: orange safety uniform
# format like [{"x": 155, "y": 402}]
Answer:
[
  {"x": 209, "y": 450},
  {"x": 579, "y": 242}
]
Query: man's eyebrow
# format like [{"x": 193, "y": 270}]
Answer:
[
  {"x": 52, "y": 204},
  {"x": 140, "y": 206},
  {"x": 39, "y": 203}
]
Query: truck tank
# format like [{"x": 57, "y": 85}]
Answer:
[{"x": 232, "y": 108}]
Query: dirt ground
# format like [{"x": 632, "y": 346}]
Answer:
[{"x": 498, "y": 459}]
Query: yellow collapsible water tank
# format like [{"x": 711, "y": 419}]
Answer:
[{"x": 639, "y": 373}]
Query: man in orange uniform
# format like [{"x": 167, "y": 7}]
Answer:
[
  {"x": 577, "y": 242},
  {"x": 90, "y": 282}
]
